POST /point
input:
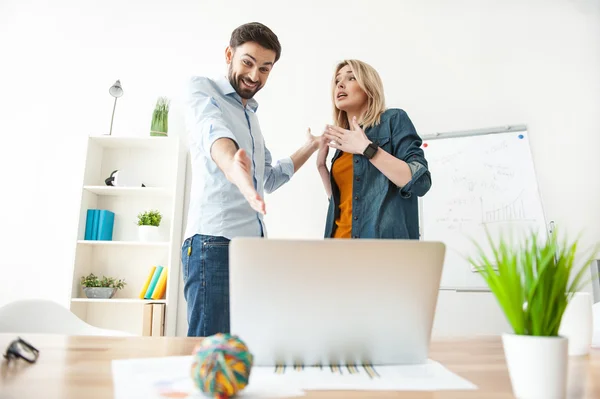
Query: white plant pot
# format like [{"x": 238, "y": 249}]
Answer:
[
  {"x": 537, "y": 366},
  {"x": 577, "y": 324},
  {"x": 149, "y": 233}
]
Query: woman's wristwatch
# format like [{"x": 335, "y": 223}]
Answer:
[{"x": 370, "y": 151}]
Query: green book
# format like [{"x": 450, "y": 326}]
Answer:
[{"x": 152, "y": 285}]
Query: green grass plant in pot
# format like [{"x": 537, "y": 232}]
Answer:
[
  {"x": 148, "y": 223},
  {"x": 533, "y": 282},
  {"x": 160, "y": 118},
  {"x": 100, "y": 288}
]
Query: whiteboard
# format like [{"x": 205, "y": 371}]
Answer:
[{"x": 479, "y": 182}]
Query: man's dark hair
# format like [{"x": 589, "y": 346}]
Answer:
[{"x": 258, "y": 33}]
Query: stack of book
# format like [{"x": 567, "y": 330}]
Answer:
[
  {"x": 156, "y": 284},
  {"x": 154, "y": 320},
  {"x": 154, "y": 313},
  {"x": 99, "y": 224}
]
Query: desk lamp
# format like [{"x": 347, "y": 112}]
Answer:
[{"x": 116, "y": 91}]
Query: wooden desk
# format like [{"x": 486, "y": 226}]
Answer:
[{"x": 80, "y": 367}]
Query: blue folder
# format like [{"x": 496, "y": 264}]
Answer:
[{"x": 106, "y": 221}]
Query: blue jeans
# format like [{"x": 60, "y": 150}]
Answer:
[{"x": 205, "y": 263}]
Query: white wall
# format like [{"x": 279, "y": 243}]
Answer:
[{"x": 450, "y": 65}]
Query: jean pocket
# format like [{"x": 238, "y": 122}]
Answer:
[
  {"x": 383, "y": 143},
  {"x": 185, "y": 256},
  {"x": 216, "y": 243}
]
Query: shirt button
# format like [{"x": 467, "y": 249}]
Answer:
[
  {"x": 355, "y": 236},
  {"x": 358, "y": 179},
  {"x": 356, "y": 160},
  {"x": 355, "y": 217},
  {"x": 356, "y": 198}
]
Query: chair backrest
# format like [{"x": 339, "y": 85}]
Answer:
[{"x": 36, "y": 316}]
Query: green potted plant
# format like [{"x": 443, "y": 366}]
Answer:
[
  {"x": 148, "y": 223},
  {"x": 105, "y": 288},
  {"x": 160, "y": 118},
  {"x": 533, "y": 282}
]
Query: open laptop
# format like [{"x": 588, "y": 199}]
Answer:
[{"x": 334, "y": 302}]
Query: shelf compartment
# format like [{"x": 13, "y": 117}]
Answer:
[
  {"x": 128, "y": 191},
  {"x": 118, "y": 300}
]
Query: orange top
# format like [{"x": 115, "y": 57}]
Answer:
[{"x": 343, "y": 173}]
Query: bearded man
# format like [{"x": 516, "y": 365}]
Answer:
[{"x": 231, "y": 170}]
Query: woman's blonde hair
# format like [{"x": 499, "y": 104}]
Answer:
[{"x": 369, "y": 81}]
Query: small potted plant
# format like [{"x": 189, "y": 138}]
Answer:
[
  {"x": 533, "y": 283},
  {"x": 104, "y": 288},
  {"x": 160, "y": 118},
  {"x": 148, "y": 223}
]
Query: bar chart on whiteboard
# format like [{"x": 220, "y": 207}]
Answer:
[{"x": 480, "y": 184}]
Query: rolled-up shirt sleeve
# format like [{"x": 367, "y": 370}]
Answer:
[
  {"x": 279, "y": 174},
  {"x": 407, "y": 144},
  {"x": 204, "y": 117}
]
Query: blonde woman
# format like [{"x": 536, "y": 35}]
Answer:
[{"x": 379, "y": 169}]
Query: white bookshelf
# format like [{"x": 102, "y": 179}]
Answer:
[
  {"x": 129, "y": 191},
  {"x": 159, "y": 162},
  {"x": 113, "y": 300}
]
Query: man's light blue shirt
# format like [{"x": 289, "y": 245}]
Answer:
[{"x": 217, "y": 208}]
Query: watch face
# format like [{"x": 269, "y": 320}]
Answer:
[{"x": 370, "y": 151}]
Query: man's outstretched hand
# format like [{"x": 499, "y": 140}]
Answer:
[{"x": 239, "y": 173}]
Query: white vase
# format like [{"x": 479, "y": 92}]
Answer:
[
  {"x": 149, "y": 233},
  {"x": 537, "y": 365},
  {"x": 577, "y": 324}
]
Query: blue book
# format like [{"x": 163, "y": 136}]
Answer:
[
  {"x": 106, "y": 221},
  {"x": 89, "y": 221},
  {"x": 153, "y": 282},
  {"x": 95, "y": 224}
]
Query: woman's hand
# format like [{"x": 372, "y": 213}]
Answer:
[
  {"x": 351, "y": 141},
  {"x": 323, "y": 152}
]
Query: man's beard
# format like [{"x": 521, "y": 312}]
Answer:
[{"x": 246, "y": 94}]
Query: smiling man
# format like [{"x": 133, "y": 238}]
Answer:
[{"x": 231, "y": 169}]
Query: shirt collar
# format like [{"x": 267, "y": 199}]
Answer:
[{"x": 228, "y": 90}]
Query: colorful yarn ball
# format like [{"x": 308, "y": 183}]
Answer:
[{"x": 221, "y": 365}]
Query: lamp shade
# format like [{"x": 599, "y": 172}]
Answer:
[{"x": 116, "y": 90}]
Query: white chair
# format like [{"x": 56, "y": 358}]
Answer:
[{"x": 36, "y": 316}]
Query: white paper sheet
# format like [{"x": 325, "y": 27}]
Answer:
[
  {"x": 431, "y": 376},
  {"x": 169, "y": 377}
]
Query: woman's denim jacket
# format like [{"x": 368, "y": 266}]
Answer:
[{"x": 380, "y": 209}]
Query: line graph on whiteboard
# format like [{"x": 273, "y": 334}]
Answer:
[{"x": 507, "y": 212}]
